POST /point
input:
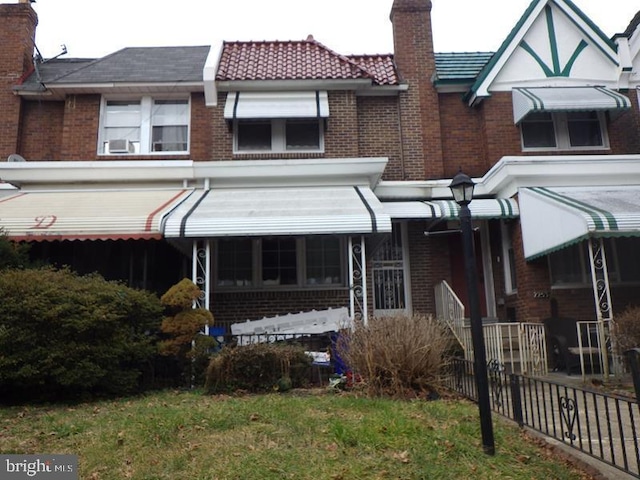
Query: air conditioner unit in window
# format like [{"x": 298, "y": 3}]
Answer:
[{"x": 121, "y": 145}]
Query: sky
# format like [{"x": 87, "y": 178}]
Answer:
[{"x": 94, "y": 28}]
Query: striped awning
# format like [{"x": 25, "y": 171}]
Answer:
[
  {"x": 566, "y": 99},
  {"x": 256, "y": 105},
  {"x": 449, "y": 210},
  {"x": 553, "y": 218},
  {"x": 87, "y": 214},
  {"x": 233, "y": 212}
]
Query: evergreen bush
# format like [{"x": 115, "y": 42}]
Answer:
[{"x": 64, "y": 335}]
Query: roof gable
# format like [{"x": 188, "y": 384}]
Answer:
[{"x": 553, "y": 43}]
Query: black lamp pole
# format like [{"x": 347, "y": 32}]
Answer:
[{"x": 462, "y": 189}]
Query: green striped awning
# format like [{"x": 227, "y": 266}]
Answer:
[
  {"x": 566, "y": 99},
  {"x": 485, "y": 208},
  {"x": 553, "y": 218}
]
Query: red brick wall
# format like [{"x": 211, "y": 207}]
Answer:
[
  {"x": 41, "y": 130},
  {"x": 379, "y": 133},
  {"x": 17, "y": 37},
  {"x": 464, "y": 137}
]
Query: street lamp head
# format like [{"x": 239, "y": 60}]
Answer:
[{"x": 462, "y": 188}]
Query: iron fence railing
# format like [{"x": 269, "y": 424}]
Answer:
[{"x": 596, "y": 423}]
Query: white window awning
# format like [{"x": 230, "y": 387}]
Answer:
[
  {"x": 237, "y": 212},
  {"x": 87, "y": 214},
  {"x": 566, "y": 99},
  {"x": 449, "y": 210},
  {"x": 255, "y": 105},
  {"x": 554, "y": 218}
]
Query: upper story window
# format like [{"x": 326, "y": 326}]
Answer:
[
  {"x": 564, "y": 131},
  {"x": 144, "y": 126},
  {"x": 277, "y": 121},
  {"x": 278, "y": 135}
]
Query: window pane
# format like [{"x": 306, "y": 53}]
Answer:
[
  {"x": 170, "y": 112},
  {"x": 235, "y": 263},
  {"x": 538, "y": 131},
  {"x": 122, "y": 114},
  {"x": 169, "y": 139},
  {"x": 279, "y": 262},
  {"x": 568, "y": 265},
  {"x": 323, "y": 261},
  {"x": 584, "y": 129},
  {"x": 254, "y": 136},
  {"x": 303, "y": 135},
  {"x": 628, "y": 250}
]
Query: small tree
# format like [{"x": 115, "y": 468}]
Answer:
[{"x": 182, "y": 327}]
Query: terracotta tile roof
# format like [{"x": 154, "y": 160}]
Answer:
[
  {"x": 298, "y": 60},
  {"x": 382, "y": 67}
]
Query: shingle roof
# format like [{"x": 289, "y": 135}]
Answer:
[
  {"x": 460, "y": 67},
  {"x": 299, "y": 60},
  {"x": 633, "y": 25},
  {"x": 129, "y": 65}
]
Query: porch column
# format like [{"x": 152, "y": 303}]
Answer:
[
  {"x": 602, "y": 297},
  {"x": 201, "y": 273},
  {"x": 357, "y": 280}
]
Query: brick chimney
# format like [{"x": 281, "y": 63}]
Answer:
[
  {"x": 414, "y": 56},
  {"x": 17, "y": 36}
]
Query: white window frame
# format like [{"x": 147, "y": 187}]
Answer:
[
  {"x": 145, "y": 145},
  {"x": 257, "y": 282},
  {"x": 278, "y": 136},
  {"x": 561, "y": 129}
]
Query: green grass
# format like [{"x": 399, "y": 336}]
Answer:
[{"x": 301, "y": 435}]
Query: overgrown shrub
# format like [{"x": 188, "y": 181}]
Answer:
[
  {"x": 627, "y": 329},
  {"x": 396, "y": 356},
  {"x": 260, "y": 367},
  {"x": 63, "y": 335}
]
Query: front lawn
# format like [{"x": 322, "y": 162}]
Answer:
[{"x": 299, "y": 435}]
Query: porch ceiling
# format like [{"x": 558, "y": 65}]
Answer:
[
  {"x": 87, "y": 214},
  {"x": 553, "y": 218},
  {"x": 233, "y": 212}
]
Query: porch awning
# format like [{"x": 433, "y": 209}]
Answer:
[
  {"x": 566, "y": 99},
  {"x": 234, "y": 212},
  {"x": 553, "y": 218},
  {"x": 276, "y": 105},
  {"x": 87, "y": 214},
  {"x": 449, "y": 210}
]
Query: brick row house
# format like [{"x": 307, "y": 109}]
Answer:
[{"x": 285, "y": 177}]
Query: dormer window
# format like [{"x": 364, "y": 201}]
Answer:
[
  {"x": 144, "y": 126},
  {"x": 277, "y": 122}
]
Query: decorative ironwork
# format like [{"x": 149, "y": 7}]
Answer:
[
  {"x": 495, "y": 369},
  {"x": 201, "y": 262},
  {"x": 568, "y": 416},
  {"x": 358, "y": 280}
]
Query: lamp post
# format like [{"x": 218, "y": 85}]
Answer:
[{"x": 462, "y": 188}]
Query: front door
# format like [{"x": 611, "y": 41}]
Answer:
[
  {"x": 458, "y": 278},
  {"x": 389, "y": 276}
]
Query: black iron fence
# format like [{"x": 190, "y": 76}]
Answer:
[{"x": 596, "y": 423}]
